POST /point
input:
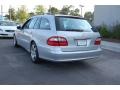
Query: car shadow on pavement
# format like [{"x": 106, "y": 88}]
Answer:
[{"x": 66, "y": 65}]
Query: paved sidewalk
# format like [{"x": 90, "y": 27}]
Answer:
[{"x": 111, "y": 46}]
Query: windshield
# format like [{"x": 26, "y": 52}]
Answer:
[
  {"x": 7, "y": 23},
  {"x": 72, "y": 24}
]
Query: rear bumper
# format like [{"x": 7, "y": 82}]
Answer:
[{"x": 71, "y": 56}]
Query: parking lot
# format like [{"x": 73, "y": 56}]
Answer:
[{"x": 16, "y": 68}]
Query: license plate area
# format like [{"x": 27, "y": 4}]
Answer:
[{"x": 81, "y": 42}]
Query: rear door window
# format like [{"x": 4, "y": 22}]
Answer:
[{"x": 44, "y": 25}]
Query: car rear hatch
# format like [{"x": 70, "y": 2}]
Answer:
[{"x": 78, "y": 34}]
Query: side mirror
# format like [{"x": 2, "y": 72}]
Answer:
[{"x": 19, "y": 27}]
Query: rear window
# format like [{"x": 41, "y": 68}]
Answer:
[{"x": 72, "y": 24}]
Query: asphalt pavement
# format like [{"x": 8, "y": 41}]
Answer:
[{"x": 16, "y": 68}]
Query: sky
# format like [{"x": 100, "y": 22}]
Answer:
[{"x": 30, "y": 4}]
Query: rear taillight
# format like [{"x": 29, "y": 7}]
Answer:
[
  {"x": 98, "y": 41},
  {"x": 57, "y": 41}
]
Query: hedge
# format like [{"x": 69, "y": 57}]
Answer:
[{"x": 113, "y": 33}]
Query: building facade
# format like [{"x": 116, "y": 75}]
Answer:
[{"x": 106, "y": 14}]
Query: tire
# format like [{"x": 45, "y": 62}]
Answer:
[
  {"x": 15, "y": 41},
  {"x": 34, "y": 53}
]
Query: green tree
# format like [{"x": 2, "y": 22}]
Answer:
[
  {"x": 31, "y": 14},
  {"x": 39, "y": 9},
  {"x": 53, "y": 10},
  {"x": 22, "y": 14},
  {"x": 88, "y": 16},
  {"x": 11, "y": 14},
  {"x": 7, "y": 16},
  {"x": 66, "y": 9},
  {"x": 75, "y": 12}
]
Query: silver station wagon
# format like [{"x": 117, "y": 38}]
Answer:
[{"x": 58, "y": 38}]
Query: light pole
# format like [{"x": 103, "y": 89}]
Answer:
[
  {"x": 50, "y": 9},
  {"x": 81, "y": 6},
  {"x": 10, "y": 12},
  {"x": 1, "y": 10}
]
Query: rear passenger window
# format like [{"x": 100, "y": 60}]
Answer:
[{"x": 45, "y": 25}]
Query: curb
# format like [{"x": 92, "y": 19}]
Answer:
[{"x": 111, "y": 46}]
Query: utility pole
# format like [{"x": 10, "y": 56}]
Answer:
[
  {"x": 10, "y": 12},
  {"x": 81, "y": 6},
  {"x": 50, "y": 9},
  {"x": 1, "y": 10}
]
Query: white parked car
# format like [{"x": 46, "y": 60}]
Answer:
[{"x": 7, "y": 28}]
